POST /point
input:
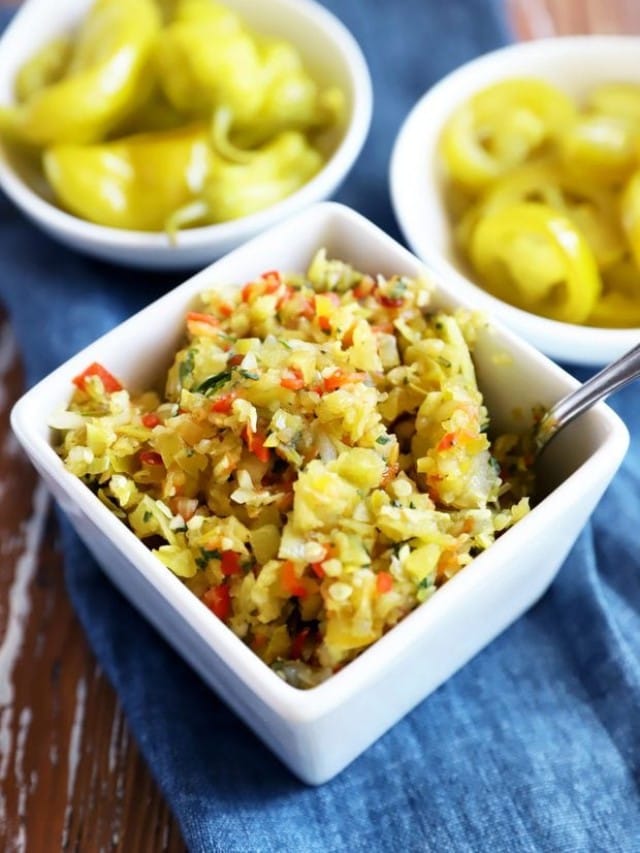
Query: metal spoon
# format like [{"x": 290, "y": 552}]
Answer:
[{"x": 618, "y": 374}]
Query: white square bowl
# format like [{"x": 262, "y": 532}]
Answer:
[{"x": 316, "y": 733}]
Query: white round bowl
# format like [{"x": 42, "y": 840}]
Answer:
[
  {"x": 331, "y": 55},
  {"x": 575, "y": 64}
]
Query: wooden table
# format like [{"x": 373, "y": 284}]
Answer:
[{"x": 70, "y": 775}]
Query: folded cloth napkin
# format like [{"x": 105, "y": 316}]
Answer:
[{"x": 534, "y": 745}]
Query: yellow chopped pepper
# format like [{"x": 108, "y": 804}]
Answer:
[
  {"x": 104, "y": 79},
  {"x": 137, "y": 182},
  {"x": 500, "y": 127},
  {"x": 536, "y": 259}
]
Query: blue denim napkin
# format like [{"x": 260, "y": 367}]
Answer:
[{"x": 533, "y": 746}]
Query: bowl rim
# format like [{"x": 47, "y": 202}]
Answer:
[
  {"x": 356, "y": 129},
  {"x": 293, "y": 704},
  {"x": 611, "y": 341}
]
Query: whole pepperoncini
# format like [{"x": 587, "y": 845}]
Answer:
[
  {"x": 267, "y": 175},
  {"x": 103, "y": 80},
  {"x": 137, "y": 182},
  {"x": 206, "y": 60}
]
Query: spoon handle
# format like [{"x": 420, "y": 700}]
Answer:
[{"x": 613, "y": 377}]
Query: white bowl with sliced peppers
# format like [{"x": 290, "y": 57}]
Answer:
[
  {"x": 163, "y": 133},
  {"x": 518, "y": 176}
]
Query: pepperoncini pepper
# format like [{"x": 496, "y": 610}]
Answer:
[
  {"x": 630, "y": 209},
  {"x": 103, "y": 80},
  {"x": 619, "y": 305},
  {"x": 167, "y": 180},
  {"x": 600, "y": 148},
  {"x": 207, "y": 61},
  {"x": 500, "y": 127},
  {"x": 205, "y": 58},
  {"x": 591, "y": 209},
  {"x": 46, "y": 67},
  {"x": 534, "y": 258},
  {"x": 616, "y": 99},
  {"x": 545, "y": 201},
  {"x": 137, "y": 182},
  {"x": 268, "y": 175},
  {"x": 159, "y": 114}
]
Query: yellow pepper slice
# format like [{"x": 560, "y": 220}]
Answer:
[
  {"x": 600, "y": 148},
  {"x": 104, "y": 80},
  {"x": 534, "y": 258},
  {"x": 235, "y": 189},
  {"x": 137, "y": 182},
  {"x": 616, "y": 99},
  {"x": 500, "y": 127},
  {"x": 206, "y": 59},
  {"x": 619, "y": 304},
  {"x": 630, "y": 212},
  {"x": 592, "y": 209},
  {"x": 45, "y": 67}
]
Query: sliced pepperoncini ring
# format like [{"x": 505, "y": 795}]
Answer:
[
  {"x": 600, "y": 148},
  {"x": 593, "y": 210},
  {"x": 619, "y": 304},
  {"x": 630, "y": 211},
  {"x": 616, "y": 99},
  {"x": 500, "y": 127},
  {"x": 534, "y": 258}
]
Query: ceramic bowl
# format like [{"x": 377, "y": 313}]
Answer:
[
  {"x": 316, "y": 733},
  {"x": 576, "y": 65},
  {"x": 330, "y": 53}
]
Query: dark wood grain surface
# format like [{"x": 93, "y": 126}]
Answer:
[{"x": 71, "y": 777}]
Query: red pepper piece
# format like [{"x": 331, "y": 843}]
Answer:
[
  {"x": 150, "y": 457},
  {"x": 292, "y": 379},
  {"x": 290, "y": 581},
  {"x": 255, "y": 444},
  {"x": 223, "y": 403},
  {"x": 218, "y": 600},
  {"x": 109, "y": 382},
  {"x": 384, "y": 582},
  {"x": 230, "y": 563}
]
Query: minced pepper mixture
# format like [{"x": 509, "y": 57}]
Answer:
[{"x": 316, "y": 465}]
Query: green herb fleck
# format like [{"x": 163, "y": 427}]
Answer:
[
  {"x": 186, "y": 366},
  {"x": 207, "y": 554},
  {"x": 383, "y": 439},
  {"x": 247, "y": 374},
  {"x": 147, "y": 516},
  {"x": 213, "y": 383},
  {"x": 426, "y": 583}
]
